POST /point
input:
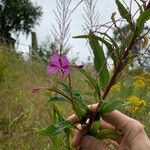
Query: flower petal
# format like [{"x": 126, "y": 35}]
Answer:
[
  {"x": 66, "y": 70},
  {"x": 52, "y": 69},
  {"x": 54, "y": 59},
  {"x": 59, "y": 64},
  {"x": 64, "y": 61}
]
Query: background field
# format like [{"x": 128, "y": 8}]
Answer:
[{"x": 22, "y": 112}]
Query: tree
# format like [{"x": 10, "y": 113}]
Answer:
[
  {"x": 17, "y": 16},
  {"x": 47, "y": 48},
  {"x": 141, "y": 62}
]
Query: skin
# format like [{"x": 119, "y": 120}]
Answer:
[{"x": 134, "y": 135}]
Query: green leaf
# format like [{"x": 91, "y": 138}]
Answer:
[
  {"x": 111, "y": 105},
  {"x": 111, "y": 50},
  {"x": 57, "y": 99},
  {"x": 144, "y": 16},
  {"x": 55, "y": 129},
  {"x": 124, "y": 12},
  {"x": 57, "y": 113},
  {"x": 58, "y": 91},
  {"x": 80, "y": 106},
  {"x": 111, "y": 39},
  {"x": 67, "y": 138},
  {"x": 100, "y": 62},
  {"x": 95, "y": 127},
  {"x": 57, "y": 139},
  {"x": 91, "y": 80},
  {"x": 108, "y": 134},
  {"x": 65, "y": 87},
  {"x": 81, "y": 37}
]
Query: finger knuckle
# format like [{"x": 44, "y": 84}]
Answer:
[{"x": 136, "y": 126}]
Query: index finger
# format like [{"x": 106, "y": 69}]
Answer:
[
  {"x": 122, "y": 122},
  {"x": 74, "y": 119},
  {"x": 115, "y": 118}
]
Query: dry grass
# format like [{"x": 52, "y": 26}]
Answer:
[{"x": 23, "y": 112}]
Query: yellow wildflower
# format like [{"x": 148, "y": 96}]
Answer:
[
  {"x": 146, "y": 74},
  {"x": 116, "y": 87},
  {"x": 138, "y": 78},
  {"x": 147, "y": 80},
  {"x": 137, "y": 104},
  {"x": 139, "y": 83}
]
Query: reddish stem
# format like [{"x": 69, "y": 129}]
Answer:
[
  {"x": 148, "y": 5},
  {"x": 118, "y": 69},
  {"x": 111, "y": 82}
]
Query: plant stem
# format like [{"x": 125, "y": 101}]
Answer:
[
  {"x": 148, "y": 5},
  {"x": 118, "y": 69},
  {"x": 70, "y": 86}
]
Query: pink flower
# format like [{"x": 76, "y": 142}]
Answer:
[{"x": 59, "y": 64}]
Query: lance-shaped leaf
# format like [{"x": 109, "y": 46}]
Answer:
[
  {"x": 111, "y": 105},
  {"x": 94, "y": 128},
  {"x": 65, "y": 87},
  {"x": 124, "y": 12},
  {"x": 57, "y": 113},
  {"x": 62, "y": 93},
  {"x": 112, "y": 41},
  {"x": 56, "y": 99},
  {"x": 68, "y": 138},
  {"x": 108, "y": 134},
  {"x": 91, "y": 80},
  {"x": 100, "y": 62},
  {"x": 57, "y": 118},
  {"x": 144, "y": 16},
  {"x": 80, "y": 106},
  {"x": 55, "y": 129},
  {"x": 111, "y": 50}
]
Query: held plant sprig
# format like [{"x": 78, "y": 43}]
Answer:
[{"x": 102, "y": 83}]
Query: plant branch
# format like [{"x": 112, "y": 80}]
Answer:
[
  {"x": 118, "y": 69},
  {"x": 148, "y": 5}
]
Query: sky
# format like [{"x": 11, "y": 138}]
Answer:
[{"x": 79, "y": 47}]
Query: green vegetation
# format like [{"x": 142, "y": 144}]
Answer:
[
  {"x": 141, "y": 63},
  {"x": 23, "y": 112},
  {"x": 27, "y": 90}
]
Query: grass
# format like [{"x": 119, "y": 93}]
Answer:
[{"x": 23, "y": 112}]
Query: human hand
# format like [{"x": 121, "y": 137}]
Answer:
[{"x": 134, "y": 136}]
